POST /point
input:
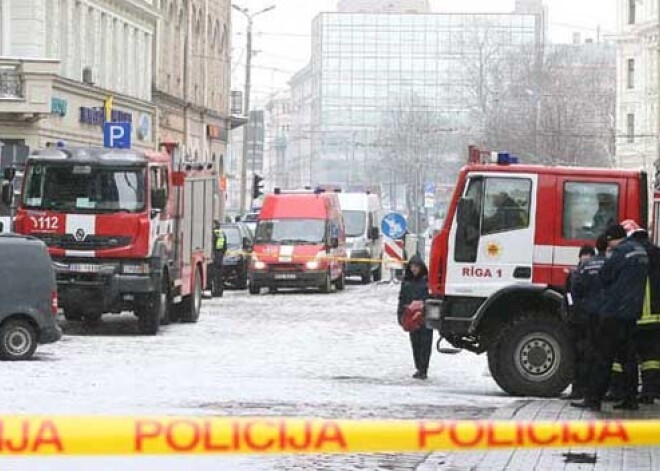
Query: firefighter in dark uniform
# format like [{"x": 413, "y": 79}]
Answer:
[
  {"x": 586, "y": 295},
  {"x": 624, "y": 275},
  {"x": 647, "y": 337},
  {"x": 578, "y": 320},
  {"x": 219, "y": 249}
]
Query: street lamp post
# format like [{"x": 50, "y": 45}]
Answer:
[{"x": 248, "y": 78}]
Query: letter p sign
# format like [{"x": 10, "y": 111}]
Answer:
[{"x": 117, "y": 135}]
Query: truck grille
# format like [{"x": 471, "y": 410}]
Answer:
[
  {"x": 91, "y": 242},
  {"x": 286, "y": 267}
]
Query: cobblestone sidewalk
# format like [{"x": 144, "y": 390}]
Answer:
[{"x": 574, "y": 459}]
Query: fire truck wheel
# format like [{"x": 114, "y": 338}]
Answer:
[
  {"x": 18, "y": 340},
  {"x": 533, "y": 358},
  {"x": 192, "y": 304},
  {"x": 255, "y": 289},
  {"x": 340, "y": 284},
  {"x": 378, "y": 274},
  {"x": 153, "y": 310}
]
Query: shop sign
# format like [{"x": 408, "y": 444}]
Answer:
[
  {"x": 96, "y": 116},
  {"x": 58, "y": 106}
]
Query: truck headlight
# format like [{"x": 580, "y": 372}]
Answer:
[
  {"x": 312, "y": 265},
  {"x": 135, "y": 268},
  {"x": 258, "y": 265}
]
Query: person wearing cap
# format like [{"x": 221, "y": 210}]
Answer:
[
  {"x": 647, "y": 336},
  {"x": 623, "y": 276},
  {"x": 415, "y": 288},
  {"x": 579, "y": 291}
]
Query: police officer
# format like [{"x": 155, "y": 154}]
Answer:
[
  {"x": 623, "y": 276},
  {"x": 586, "y": 293},
  {"x": 647, "y": 337},
  {"x": 219, "y": 249}
]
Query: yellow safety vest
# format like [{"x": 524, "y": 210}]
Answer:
[
  {"x": 648, "y": 317},
  {"x": 220, "y": 239}
]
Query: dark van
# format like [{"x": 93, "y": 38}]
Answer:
[{"x": 28, "y": 297}]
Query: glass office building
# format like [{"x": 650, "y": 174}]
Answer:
[{"x": 365, "y": 65}]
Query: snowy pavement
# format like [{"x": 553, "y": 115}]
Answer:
[{"x": 292, "y": 354}]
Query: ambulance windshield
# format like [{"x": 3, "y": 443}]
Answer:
[
  {"x": 84, "y": 188},
  {"x": 356, "y": 222},
  {"x": 291, "y": 231}
]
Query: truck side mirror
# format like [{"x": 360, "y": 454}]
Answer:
[
  {"x": 7, "y": 193},
  {"x": 158, "y": 198},
  {"x": 246, "y": 243},
  {"x": 374, "y": 233},
  {"x": 334, "y": 242}
]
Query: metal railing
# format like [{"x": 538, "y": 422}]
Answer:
[{"x": 11, "y": 81}]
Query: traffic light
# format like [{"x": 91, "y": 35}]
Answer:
[{"x": 257, "y": 186}]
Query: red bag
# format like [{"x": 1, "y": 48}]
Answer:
[{"x": 413, "y": 317}]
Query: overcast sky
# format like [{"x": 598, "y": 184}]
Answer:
[{"x": 282, "y": 36}]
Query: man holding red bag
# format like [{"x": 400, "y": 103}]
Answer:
[{"x": 414, "y": 290}]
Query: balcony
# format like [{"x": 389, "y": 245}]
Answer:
[{"x": 26, "y": 86}]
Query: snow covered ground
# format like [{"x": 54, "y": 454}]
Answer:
[{"x": 302, "y": 354}]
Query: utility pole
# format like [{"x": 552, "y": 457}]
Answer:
[{"x": 248, "y": 79}]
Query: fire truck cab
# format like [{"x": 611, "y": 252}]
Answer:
[
  {"x": 499, "y": 265},
  {"x": 126, "y": 230}
]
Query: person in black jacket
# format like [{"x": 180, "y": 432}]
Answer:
[
  {"x": 624, "y": 276},
  {"x": 647, "y": 337},
  {"x": 415, "y": 288},
  {"x": 577, "y": 293}
]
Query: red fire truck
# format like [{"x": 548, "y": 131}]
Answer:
[
  {"x": 498, "y": 267},
  {"x": 127, "y": 230}
]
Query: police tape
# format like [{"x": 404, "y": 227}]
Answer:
[
  {"x": 325, "y": 258},
  {"x": 108, "y": 436}
]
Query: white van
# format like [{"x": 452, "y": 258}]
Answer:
[{"x": 362, "y": 213}]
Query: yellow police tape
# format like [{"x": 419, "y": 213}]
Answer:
[
  {"x": 327, "y": 258},
  {"x": 70, "y": 436}
]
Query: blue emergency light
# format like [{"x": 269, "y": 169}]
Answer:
[{"x": 504, "y": 158}]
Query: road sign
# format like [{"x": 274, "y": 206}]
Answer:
[
  {"x": 394, "y": 226},
  {"x": 117, "y": 135},
  {"x": 429, "y": 195}
]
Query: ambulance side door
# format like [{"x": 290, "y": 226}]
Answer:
[{"x": 491, "y": 244}]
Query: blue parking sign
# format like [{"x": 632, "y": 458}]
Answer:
[
  {"x": 394, "y": 226},
  {"x": 117, "y": 135}
]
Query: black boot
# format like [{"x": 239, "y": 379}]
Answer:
[
  {"x": 628, "y": 404},
  {"x": 587, "y": 404},
  {"x": 420, "y": 375},
  {"x": 646, "y": 399}
]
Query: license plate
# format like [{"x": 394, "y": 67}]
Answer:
[
  {"x": 85, "y": 267},
  {"x": 285, "y": 276}
]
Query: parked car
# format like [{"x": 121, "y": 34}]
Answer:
[
  {"x": 236, "y": 260},
  {"x": 250, "y": 220},
  {"x": 28, "y": 297}
]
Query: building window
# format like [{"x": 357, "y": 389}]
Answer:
[
  {"x": 631, "y": 74},
  {"x": 631, "y": 12},
  {"x": 630, "y": 127}
]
